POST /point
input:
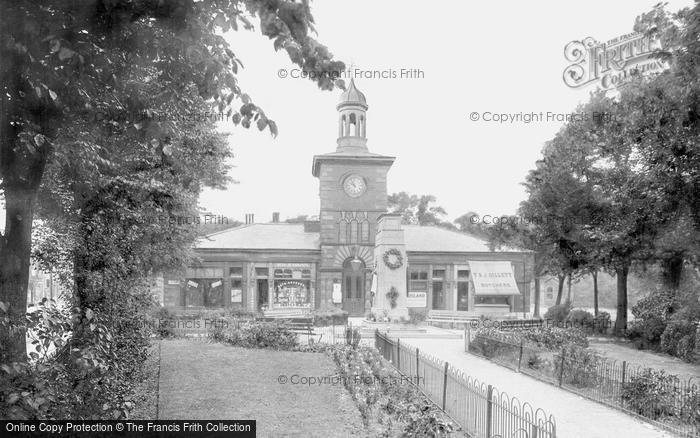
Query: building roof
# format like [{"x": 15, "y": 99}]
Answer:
[
  {"x": 262, "y": 236},
  {"x": 436, "y": 239},
  {"x": 284, "y": 236},
  {"x": 352, "y": 96}
]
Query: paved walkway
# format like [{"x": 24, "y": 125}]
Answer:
[
  {"x": 575, "y": 416},
  {"x": 206, "y": 381}
]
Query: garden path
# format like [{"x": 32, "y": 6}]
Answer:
[{"x": 575, "y": 416}]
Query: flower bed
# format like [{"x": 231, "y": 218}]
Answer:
[
  {"x": 255, "y": 335},
  {"x": 389, "y": 404}
]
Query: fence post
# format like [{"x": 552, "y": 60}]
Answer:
[
  {"x": 624, "y": 375},
  {"x": 398, "y": 354},
  {"x": 489, "y": 410},
  {"x": 467, "y": 338},
  {"x": 444, "y": 387},
  {"x": 520, "y": 358},
  {"x": 417, "y": 362},
  {"x": 561, "y": 370}
]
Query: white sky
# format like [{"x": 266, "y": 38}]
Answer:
[{"x": 503, "y": 57}]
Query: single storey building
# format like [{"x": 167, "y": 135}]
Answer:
[{"x": 356, "y": 256}]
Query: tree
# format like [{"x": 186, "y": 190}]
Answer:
[
  {"x": 471, "y": 223},
  {"x": 68, "y": 53},
  {"x": 671, "y": 148},
  {"x": 418, "y": 210},
  {"x": 299, "y": 219}
]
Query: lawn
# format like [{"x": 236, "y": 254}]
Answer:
[
  {"x": 626, "y": 351},
  {"x": 208, "y": 381}
]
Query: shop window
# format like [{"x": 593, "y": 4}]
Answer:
[
  {"x": 438, "y": 274},
  {"x": 204, "y": 292},
  {"x": 492, "y": 300},
  {"x": 236, "y": 290},
  {"x": 418, "y": 280},
  {"x": 292, "y": 293}
]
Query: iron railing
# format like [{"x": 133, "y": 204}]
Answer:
[
  {"x": 480, "y": 409},
  {"x": 667, "y": 401}
]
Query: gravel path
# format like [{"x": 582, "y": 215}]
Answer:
[
  {"x": 575, "y": 416},
  {"x": 204, "y": 381}
]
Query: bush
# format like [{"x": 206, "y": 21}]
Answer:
[
  {"x": 492, "y": 348},
  {"x": 555, "y": 338},
  {"x": 581, "y": 319},
  {"x": 651, "y": 394},
  {"x": 602, "y": 322},
  {"x": 581, "y": 366},
  {"x": 690, "y": 410},
  {"x": 646, "y": 333},
  {"x": 657, "y": 305},
  {"x": 558, "y": 313},
  {"x": 160, "y": 320},
  {"x": 330, "y": 316},
  {"x": 678, "y": 339},
  {"x": 255, "y": 335},
  {"x": 352, "y": 337},
  {"x": 417, "y": 316},
  {"x": 549, "y": 338}
]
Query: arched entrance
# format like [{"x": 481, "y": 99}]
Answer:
[{"x": 353, "y": 288}]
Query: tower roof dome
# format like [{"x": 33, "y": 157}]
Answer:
[{"x": 352, "y": 96}]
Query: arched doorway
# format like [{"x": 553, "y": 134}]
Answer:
[{"x": 353, "y": 288}]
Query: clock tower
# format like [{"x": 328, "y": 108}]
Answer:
[{"x": 353, "y": 195}]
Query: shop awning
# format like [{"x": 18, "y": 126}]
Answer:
[{"x": 493, "y": 278}]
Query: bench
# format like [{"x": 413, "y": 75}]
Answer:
[{"x": 304, "y": 325}]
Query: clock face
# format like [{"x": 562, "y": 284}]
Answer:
[{"x": 354, "y": 186}]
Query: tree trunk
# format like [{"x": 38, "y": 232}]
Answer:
[
  {"x": 595, "y": 292},
  {"x": 671, "y": 271},
  {"x": 15, "y": 250},
  {"x": 621, "y": 319},
  {"x": 537, "y": 297},
  {"x": 560, "y": 289},
  {"x": 568, "y": 288}
]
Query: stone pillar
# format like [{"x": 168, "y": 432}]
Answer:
[{"x": 390, "y": 237}]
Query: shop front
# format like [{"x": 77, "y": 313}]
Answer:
[{"x": 292, "y": 287}]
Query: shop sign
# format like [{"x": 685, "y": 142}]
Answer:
[
  {"x": 417, "y": 299},
  {"x": 337, "y": 294}
]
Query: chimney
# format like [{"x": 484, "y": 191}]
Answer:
[
  {"x": 249, "y": 218},
  {"x": 275, "y": 217}
]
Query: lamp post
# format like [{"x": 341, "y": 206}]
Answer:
[{"x": 356, "y": 262}]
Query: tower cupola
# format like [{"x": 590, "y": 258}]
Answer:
[{"x": 352, "y": 120}]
